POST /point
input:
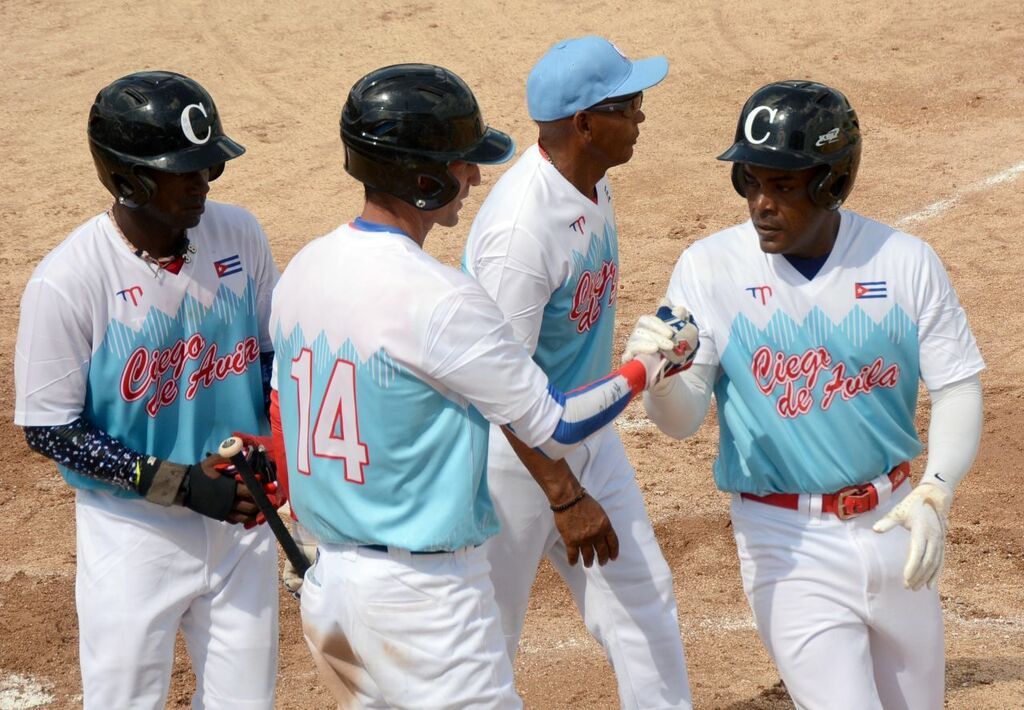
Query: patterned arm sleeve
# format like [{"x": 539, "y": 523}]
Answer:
[{"x": 86, "y": 450}]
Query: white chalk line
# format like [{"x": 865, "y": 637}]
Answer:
[
  {"x": 944, "y": 205},
  {"x": 22, "y": 692}
]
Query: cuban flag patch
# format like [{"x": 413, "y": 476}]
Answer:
[
  {"x": 869, "y": 289},
  {"x": 230, "y": 265}
]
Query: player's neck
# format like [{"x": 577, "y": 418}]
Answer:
[
  {"x": 398, "y": 214},
  {"x": 581, "y": 173},
  {"x": 147, "y": 234},
  {"x": 824, "y": 239}
]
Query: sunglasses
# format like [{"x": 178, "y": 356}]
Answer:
[{"x": 626, "y": 105}]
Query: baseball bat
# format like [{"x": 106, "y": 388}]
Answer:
[{"x": 231, "y": 448}]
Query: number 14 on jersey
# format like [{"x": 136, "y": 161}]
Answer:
[{"x": 335, "y": 434}]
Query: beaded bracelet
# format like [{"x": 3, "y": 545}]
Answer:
[{"x": 565, "y": 506}]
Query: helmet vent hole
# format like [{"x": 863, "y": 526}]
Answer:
[
  {"x": 135, "y": 96},
  {"x": 384, "y": 128},
  {"x": 430, "y": 93}
]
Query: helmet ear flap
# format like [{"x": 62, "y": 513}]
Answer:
[
  {"x": 216, "y": 171},
  {"x": 134, "y": 189},
  {"x": 834, "y": 185},
  {"x": 737, "y": 179},
  {"x": 435, "y": 189},
  {"x": 820, "y": 189}
]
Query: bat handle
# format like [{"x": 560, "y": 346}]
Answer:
[{"x": 231, "y": 448}]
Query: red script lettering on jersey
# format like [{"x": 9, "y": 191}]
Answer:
[
  {"x": 586, "y": 302},
  {"x": 146, "y": 370},
  {"x": 773, "y": 369}
]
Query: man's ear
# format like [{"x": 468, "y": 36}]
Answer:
[{"x": 582, "y": 124}]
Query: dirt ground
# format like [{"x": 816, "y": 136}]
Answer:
[{"x": 938, "y": 85}]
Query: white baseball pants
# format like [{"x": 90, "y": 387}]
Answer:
[
  {"x": 830, "y": 606},
  {"x": 143, "y": 572},
  {"x": 398, "y": 630},
  {"x": 628, "y": 605}
]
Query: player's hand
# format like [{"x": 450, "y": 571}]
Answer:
[
  {"x": 924, "y": 512},
  {"x": 259, "y": 452},
  {"x": 671, "y": 333},
  {"x": 587, "y": 532},
  {"x": 305, "y": 541},
  {"x": 223, "y": 478}
]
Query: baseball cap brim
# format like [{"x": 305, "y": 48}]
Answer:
[
  {"x": 493, "y": 148},
  {"x": 767, "y": 157},
  {"x": 644, "y": 74}
]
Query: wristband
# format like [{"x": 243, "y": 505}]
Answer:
[
  {"x": 565, "y": 506},
  {"x": 160, "y": 482}
]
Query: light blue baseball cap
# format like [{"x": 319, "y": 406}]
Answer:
[{"x": 577, "y": 73}]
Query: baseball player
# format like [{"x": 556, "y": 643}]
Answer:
[
  {"x": 389, "y": 366},
  {"x": 143, "y": 342},
  {"x": 545, "y": 246},
  {"x": 813, "y": 341}
]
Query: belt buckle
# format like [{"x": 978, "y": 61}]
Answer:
[{"x": 861, "y": 504}]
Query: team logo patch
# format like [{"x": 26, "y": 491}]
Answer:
[
  {"x": 132, "y": 293},
  {"x": 228, "y": 265},
  {"x": 870, "y": 289},
  {"x": 760, "y": 293}
]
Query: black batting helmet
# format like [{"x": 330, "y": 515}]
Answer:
[
  {"x": 158, "y": 120},
  {"x": 403, "y": 124},
  {"x": 795, "y": 125}
]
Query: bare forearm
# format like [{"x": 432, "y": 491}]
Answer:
[{"x": 554, "y": 477}]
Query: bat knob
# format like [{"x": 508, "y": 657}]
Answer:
[{"x": 230, "y": 447}]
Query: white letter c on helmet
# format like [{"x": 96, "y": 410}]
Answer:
[
  {"x": 748, "y": 126},
  {"x": 186, "y": 124}
]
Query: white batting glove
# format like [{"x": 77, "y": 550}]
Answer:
[
  {"x": 924, "y": 513},
  {"x": 670, "y": 333},
  {"x": 290, "y": 578}
]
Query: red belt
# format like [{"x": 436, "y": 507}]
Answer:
[{"x": 846, "y": 503}]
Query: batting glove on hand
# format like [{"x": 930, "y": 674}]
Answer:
[
  {"x": 258, "y": 451},
  {"x": 671, "y": 333},
  {"x": 924, "y": 512},
  {"x": 290, "y": 578}
]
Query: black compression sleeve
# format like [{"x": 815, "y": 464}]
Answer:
[{"x": 86, "y": 450}]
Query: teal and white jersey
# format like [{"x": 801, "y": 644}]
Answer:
[
  {"x": 388, "y": 367},
  {"x": 549, "y": 257},
  {"x": 166, "y": 363},
  {"x": 818, "y": 379}
]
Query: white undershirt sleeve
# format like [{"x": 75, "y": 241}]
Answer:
[
  {"x": 679, "y": 404},
  {"x": 954, "y": 432}
]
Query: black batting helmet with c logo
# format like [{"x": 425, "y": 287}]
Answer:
[
  {"x": 158, "y": 120},
  {"x": 795, "y": 125}
]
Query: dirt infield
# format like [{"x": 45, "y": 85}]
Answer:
[{"x": 938, "y": 85}]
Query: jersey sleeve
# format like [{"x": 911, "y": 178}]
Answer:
[
  {"x": 684, "y": 289},
  {"x": 470, "y": 349},
  {"x": 51, "y": 356},
  {"x": 509, "y": 262},
  {"x": 948, "y": 350}
]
